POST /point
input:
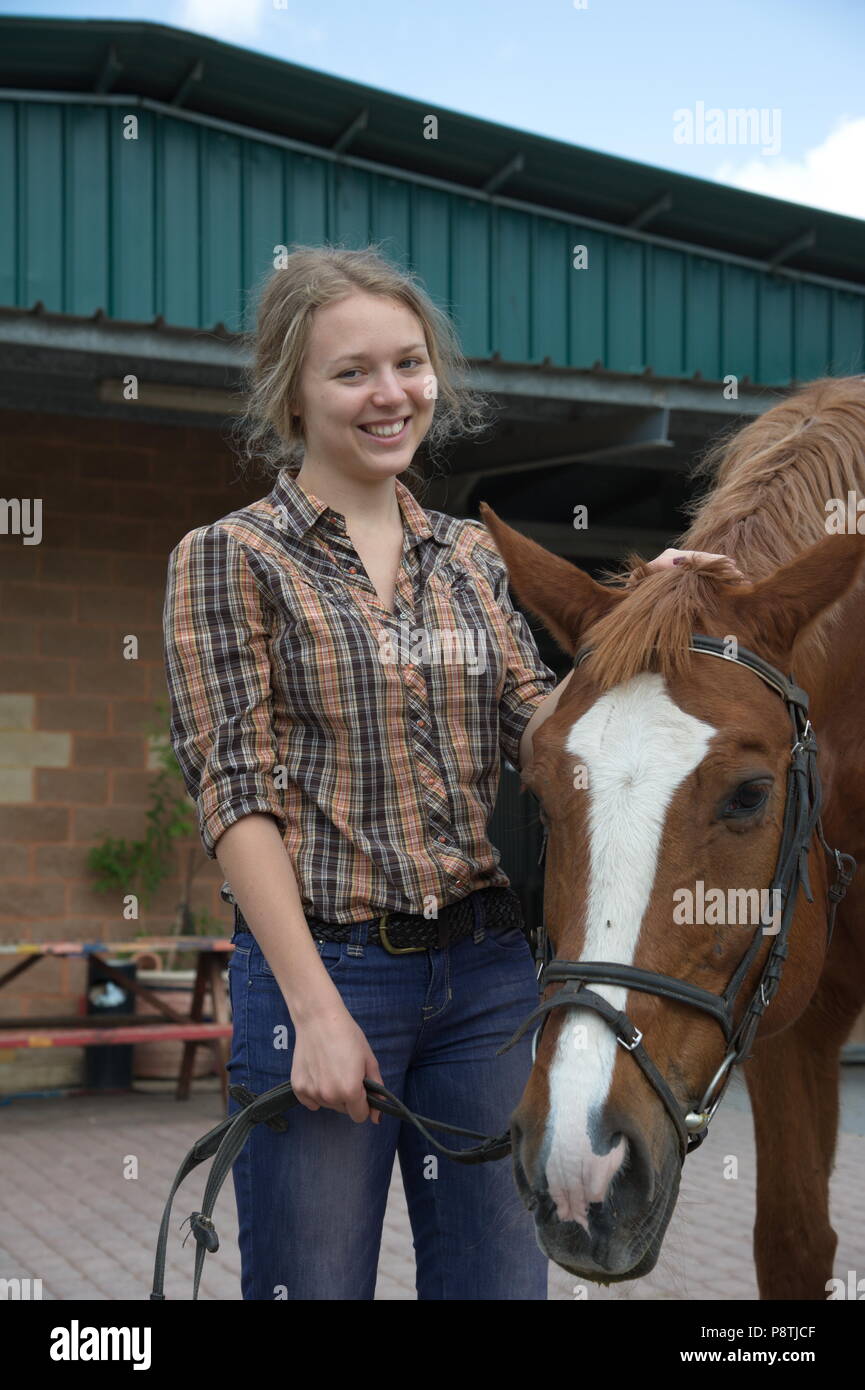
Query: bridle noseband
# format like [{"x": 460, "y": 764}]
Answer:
[{"x": 801, "y": 818}]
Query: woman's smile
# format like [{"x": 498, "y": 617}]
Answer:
[{"x": 392, "y": 435}]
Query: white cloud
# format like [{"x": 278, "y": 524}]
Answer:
[
  {"x": 223, "y": 19},
  {"x": 239, "y": 20},
  {"x": 830, "y": 176}
]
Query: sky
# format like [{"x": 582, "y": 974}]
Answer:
[{"x": 658, "y": 81}]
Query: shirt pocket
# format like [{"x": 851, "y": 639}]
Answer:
[{"x": 325, "y": 660}]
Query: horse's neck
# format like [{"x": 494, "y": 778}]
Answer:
[
  {"x": 832, "y": 670},
  {"x": 829, "y": 660}
]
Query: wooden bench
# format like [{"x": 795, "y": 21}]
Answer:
[{"x": 120, "y": 1029}]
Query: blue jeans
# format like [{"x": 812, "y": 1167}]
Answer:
[{"x": 311, "y": 1200}]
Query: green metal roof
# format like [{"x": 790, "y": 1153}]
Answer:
[
  {"x": 236, "y": 153},
  {"x": 202, "y": 74}
]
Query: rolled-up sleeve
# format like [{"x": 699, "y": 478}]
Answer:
[
  {"x": 528, "y": 681},
  {"x": 219, "y": 683}
]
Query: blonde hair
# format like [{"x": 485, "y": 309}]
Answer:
[{"x": 266, "y": 432}]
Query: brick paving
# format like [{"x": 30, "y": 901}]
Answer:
[{"x": 74, "y": 1214}]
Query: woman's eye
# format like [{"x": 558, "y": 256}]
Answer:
[
  {"x": 349, "y": 370},
  {"x": 746, "y": 799}
]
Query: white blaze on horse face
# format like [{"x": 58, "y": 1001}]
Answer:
[{"x": 637, "y": 747}]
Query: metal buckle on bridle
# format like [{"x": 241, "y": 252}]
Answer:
[
  {"x": 805, "y": 743},
  {"x": 635, "y": 1041},
  {"x": 843, "y": 876}
]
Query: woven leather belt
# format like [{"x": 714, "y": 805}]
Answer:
[{"x": 400, "y": 932}]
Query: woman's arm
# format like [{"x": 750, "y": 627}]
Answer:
[
  {"x": 332, "y": 1056},
  {"x": 543, "y": 711},
  {"x": 252, "y": 855}
]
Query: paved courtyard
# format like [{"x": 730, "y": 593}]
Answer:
[{"x": 70, "y": 1216}]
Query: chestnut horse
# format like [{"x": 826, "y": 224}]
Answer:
[{"x": 663, "y": 770}]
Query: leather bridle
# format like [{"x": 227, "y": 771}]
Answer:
[{"x": 801, "y": 818}]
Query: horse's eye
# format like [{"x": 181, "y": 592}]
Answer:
[{"x": 746, "y": 799}]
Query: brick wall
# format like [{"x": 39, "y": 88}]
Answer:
[{"x": 75, "y": 762}]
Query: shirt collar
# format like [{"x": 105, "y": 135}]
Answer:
[{"x": 301, "y": 510}]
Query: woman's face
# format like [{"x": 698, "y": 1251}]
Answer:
[{"x": 366, "y": 363}]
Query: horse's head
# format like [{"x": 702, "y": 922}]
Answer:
[{"x": 662, "y": 777}]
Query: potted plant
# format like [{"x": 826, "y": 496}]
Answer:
[{"x": 123, "y": 866}]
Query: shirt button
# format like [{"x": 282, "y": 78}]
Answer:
[
  {"x": 352, "y": 569},
  {"x": 421, "y": 723}
]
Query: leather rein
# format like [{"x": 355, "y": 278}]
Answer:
[{"x": 801, "y": 818}]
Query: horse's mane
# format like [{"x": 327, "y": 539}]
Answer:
[
  {"x": 772, "y": 479},
  {"x": 769, "y": 483}
]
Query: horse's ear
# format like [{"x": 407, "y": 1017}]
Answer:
[
  {"x": 781, "y": 607},
  {"x": 566, "y": 599}
]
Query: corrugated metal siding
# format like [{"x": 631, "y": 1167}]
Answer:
[{"x": 183, "y": 221}]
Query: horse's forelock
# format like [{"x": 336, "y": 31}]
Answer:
[{"x": 650, "y": 629}]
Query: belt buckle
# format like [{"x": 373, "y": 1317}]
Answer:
[{"x": 393, "y": 950}]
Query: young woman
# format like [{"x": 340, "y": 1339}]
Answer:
[{"x": 345, "y": 668}]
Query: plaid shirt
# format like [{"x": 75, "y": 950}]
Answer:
[{"x": 376, "y": 747}]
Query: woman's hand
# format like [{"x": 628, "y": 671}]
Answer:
[
  {"x": 332, "y": 1059},
  {"x": 668, "y": 558}
]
